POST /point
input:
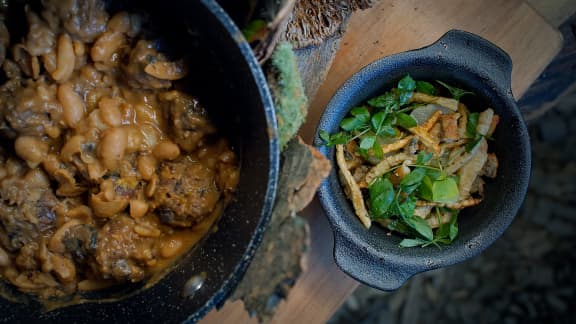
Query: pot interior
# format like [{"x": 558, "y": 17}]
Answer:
[{"x": 228, "y": 82}]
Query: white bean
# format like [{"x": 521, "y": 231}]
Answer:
[
  {"x": 31, "y": 149},
  {"x": 112, "y": 147},
  {"x": 72, "y": 105},
  {"x": 64, "y": 59}
]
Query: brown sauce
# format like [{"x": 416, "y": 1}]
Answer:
[{"x": 107, "y": 173}]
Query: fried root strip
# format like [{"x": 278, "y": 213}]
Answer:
[
  {"x": 472, "y": 169},
  {"x": 455, "y": 205},
  {"x": 385, "y": 165},
  {"x": 422, "y": 132},
  {"x": 387, "y": 148},
  {"x": 449, "y": 103},
  {"x": 351, "y": 188}
]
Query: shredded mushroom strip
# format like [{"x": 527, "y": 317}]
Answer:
[{"x": 412, "y": 158}]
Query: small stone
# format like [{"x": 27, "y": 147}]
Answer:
[
  {"x": 543, "y": 276},
  {"x": 470, "y": 280},
  {"x": 510, "y": 320},
  {"x": 460, "y": 294},
  {"x": 557, "y": 304},
  {"x": 553, "y": 128},
  {"x": 451, "y": 311},
  {"x": 352, "y": 303},
  {"x": 431, "y": 293}
]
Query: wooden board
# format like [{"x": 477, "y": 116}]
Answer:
[{"x": 393, "y": 26}]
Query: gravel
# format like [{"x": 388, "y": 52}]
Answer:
[{"x": 527, "y": 276}]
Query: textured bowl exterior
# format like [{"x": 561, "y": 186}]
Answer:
[{"x": 473, "y": 63}]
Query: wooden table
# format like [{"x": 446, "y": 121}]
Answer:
[{"x": 393, "y": 26}]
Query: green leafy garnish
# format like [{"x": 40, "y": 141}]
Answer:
[
  {"x": 381, "y": 197},
  {"x": 405, "y": 120},
  {"x": 456, "y": 93},
  {"x": 425, "y": 87},
  {"x": 394, "y": 196},
  {"x": 406, "y": 87}
]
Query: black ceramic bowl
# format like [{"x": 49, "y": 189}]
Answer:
[
  {"x": 464, "y": 60},
  {"x": 227, "y": 79}
]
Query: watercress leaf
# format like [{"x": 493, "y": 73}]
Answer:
[
  {"x": 381, "y": 196},
  {"x": 406, "y": 209},
  {"x": 422, "y": 227},
  {"x": 412, "y": 242},
  {"x": 386, "y": 100},
  {"x": 456, "y": 93},
  {"x": 361, "y": 113},
  {"x": 325, "y": 136},
  {"x": 436, "y": 174},
  {"x": 472, "y": 124},
  {"x": 423, "y": 157},
  {"x": 453, "y": 226},
  {"x": 445, "y": 191},
  {"x": 378, "y": 120},
  {"x": 425, "y": 87},
  {"x": 350, "y": 123},
  {"x": 400, "y": 227},
  {"x": 388, "y": 131},
  {"x": 425, "y": 189},
  {"x": 407, "y": 84},
  {"x": 404, "y": 97},
  {"x": 339, "y": 138},
  {"x": 377, "y": 149},
  {"x": 411, "y": 181},
  {"x": 443, "y": 232},
  {"x": 405, "y": 120},
  {"x": 472, "y": 144},
  {"x": 367, "y": 142}
]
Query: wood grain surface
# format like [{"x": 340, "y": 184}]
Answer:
[{"x": 393, "y": 26}]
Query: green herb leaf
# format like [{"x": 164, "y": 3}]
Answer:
[
  {"x": 367, "y": 142},
  {"x": 381, "y": 193},
  {"x": 386, "y": 100},
  {"x": 456, "y": 93},
  {"x": 378, "y": 120},
  {"x": 406, "y": 209},
  {"x": 407, "y": 84},
  {"x": 412, "y": 242},
  {"x": 454, "y": 226},
  {"x": 405, "y": 120},
  {"x": 436, "y": 174},
  {"x": 422, "y": 227},
  {"x": 472, "y": 124},
  {"x": 400, "y": 227},
  {"x": 425, "y": 87},
  {"x": 350, "y": 123},
  {"x": 413, "y": 180},
  {"x": 377, "y": 150},
  {"x": 388, "y": 131},
  {"x": 472, "y": 144},
  {"x": 445, "y": 190},
  {"x": 361, "y": 113},
  {"x": 423, "y": 157},
  {"x": 337, "y": 138},
  {"x": 406, "y": 87},
  {"x": 425, "y": 189},
  {"x": 324, "y": 135}
]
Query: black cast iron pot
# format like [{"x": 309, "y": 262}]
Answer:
[
  {"x": 464, "y": 60},
  {"x": 228, "y": 80}
]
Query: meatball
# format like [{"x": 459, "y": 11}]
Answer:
[{"x": 186, "y": 193}]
